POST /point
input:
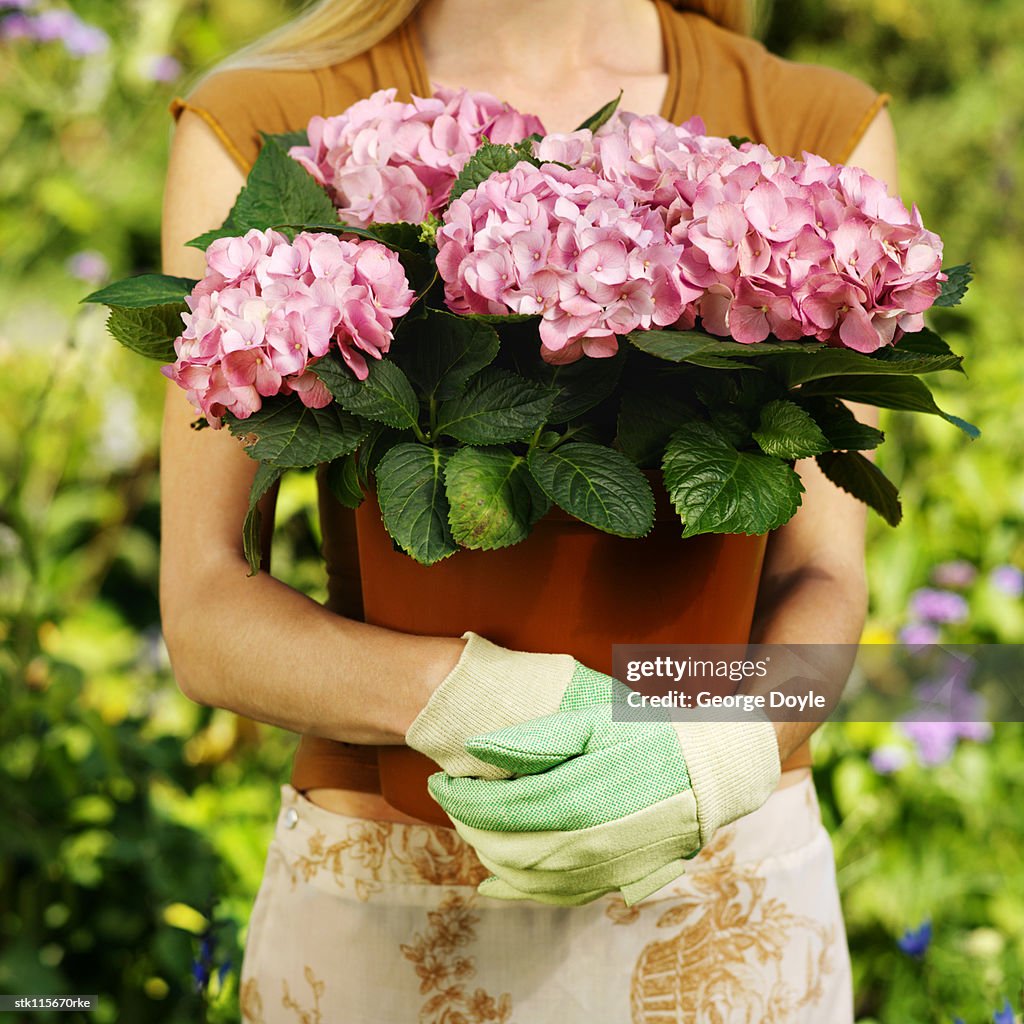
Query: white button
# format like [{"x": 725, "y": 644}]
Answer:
[{"x": 291, "y": 818}]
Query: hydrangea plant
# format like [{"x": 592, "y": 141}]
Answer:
[{"x": 475, "y": 321}]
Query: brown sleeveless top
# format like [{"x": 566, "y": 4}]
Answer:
[{"x": 731, "y": 81}]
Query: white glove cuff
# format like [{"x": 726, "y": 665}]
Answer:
[
  {"x": 733, "y": 767},
  {"x": 489, "y": 688}
]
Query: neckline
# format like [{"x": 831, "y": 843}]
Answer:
[{"x": 681, "y": 73}]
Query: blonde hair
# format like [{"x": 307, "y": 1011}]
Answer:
[{"x": 332, "y": 31}]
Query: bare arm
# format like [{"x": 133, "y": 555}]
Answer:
[
  {"x": 252, "y": 644},
  {"x": 814, "y": 587}
]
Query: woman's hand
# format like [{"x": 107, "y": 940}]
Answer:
[
  {"x": 601, "y": 802},
  {"x": 492, "y": 687}
]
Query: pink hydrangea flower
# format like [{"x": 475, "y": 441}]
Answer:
[
  {"x": 566, "y": 245},
  {"x": 383, "y": 161},
  {"x": 795, "y": 248},
  {"x": 267, "y": 309}
]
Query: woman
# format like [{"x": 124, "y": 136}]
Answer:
[{"x": 366, "y": 915}]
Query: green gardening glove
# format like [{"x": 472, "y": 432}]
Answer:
[
  {"x": 491, "y": 687},
  {"x": 600, "y": 804}
]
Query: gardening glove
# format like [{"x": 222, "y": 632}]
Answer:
[
  {"x": 491, "y": 687},
  {"x": 599, "y": 804}
]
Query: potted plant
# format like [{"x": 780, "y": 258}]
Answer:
[{"x": 563, "y": 379}]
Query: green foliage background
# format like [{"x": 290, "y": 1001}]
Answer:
[{"x": 135, "y": 822}]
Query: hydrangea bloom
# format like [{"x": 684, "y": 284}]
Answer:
[
  {"x": 567, "y": 245},
  {"x": 267, "y": 308},
  {"x": 384, "y": 161},
  {"x": 794, "y": 248}
]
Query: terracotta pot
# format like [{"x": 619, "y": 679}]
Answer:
[{"x": 568, "y": 589}]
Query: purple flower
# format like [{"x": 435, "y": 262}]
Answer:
[
  {"x": 1008, "y": 579},
  {"x": 88, "y": 265},
  {"x": 16, "y": 26},
  {"x": 948, "y": 696},
  {"x": 915, "y": 941},
  {"x": 934, "y": 742},
  {"x": 886, "y": 760},
  {"x": 1005, "y": 1015},
  {"x": 935, "y": 739},
  {"x": 49, "y": 26},
  {"x": 79, "y": 39},
  {"x": 919, "y": 634},
  {"x": 959, "y": 573},
  {"x": 980, "y": 732},
  {"x": 162, "y": 68},
  {"x": 938, "y": 605},
  {"x": 84, "y": 40}
]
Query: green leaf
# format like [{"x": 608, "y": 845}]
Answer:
[
  {"x": 279, "y": 190},
  {"x": 413, "y": 505},
  {"x": 497, "y": 406},
  {"x": 441, "y": 352},
  {"x": 675, "y": 346},
  {"x": 493, "y": 500},
  {"x": 500, "y": 318},
  {"x": 150, "y": 331},
  {"x": 581, "y": 385},
  {"x": 487, "y": 160},
  {"x": 865, "y": 481},
  {"x": 597, "y": 485},
  {"x": 738, "y": 140},
  {"x": 342, "y": 480},
  {"x": 736, "y": 350},
  {"x": 400, "y": 235},
  {"x": 379, "y": 440},
  {"x": 718, "y": 489},
  {"x": 386, "y": 395},
  {"x": 285, "y": 433},
  {"x": 839, "y": 425},
  {"x": 732, "y": 424},
  {"x": 787, "y": 431},
  {"x": 647, "y": 419},
  {"x": 602, "y": 116},
  {"x": 227, "y": 230},
  {"x": 955, "y": 286},
  {"x": 266, "y": 477},
  {"x": 888, "y": 392},
  {"x": 709, "y": 350},
  {"x": 924, "y": 341},
  {"x": 832, "y": 362},
  {"x": 905, "y": 361},
  {"x": 144, "y": 291}
]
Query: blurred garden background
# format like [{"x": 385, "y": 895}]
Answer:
[{"x": 133, "y": 824}]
